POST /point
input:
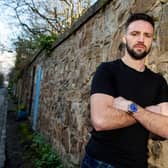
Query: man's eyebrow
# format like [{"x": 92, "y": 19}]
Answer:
[{"x": 136, "y": 31}]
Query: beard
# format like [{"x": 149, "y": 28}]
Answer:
[{"x": 135, "y": 55}]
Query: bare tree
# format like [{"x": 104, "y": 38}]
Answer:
[
  {"x": 46, "y": 16},
  {"x": 41, "y": 22}
]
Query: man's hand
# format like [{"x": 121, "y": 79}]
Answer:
[{"x": 121, "y": 103}]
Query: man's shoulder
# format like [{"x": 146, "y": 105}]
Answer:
[
  {"x": 110, "y": 64},
  {"x": 156, "y": 75},
  {"x": 150, "y": 71}
]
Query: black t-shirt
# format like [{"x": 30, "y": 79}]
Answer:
[{"x": 125, "y": 147}]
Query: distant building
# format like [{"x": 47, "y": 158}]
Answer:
[{"x": 7, "y": 61}]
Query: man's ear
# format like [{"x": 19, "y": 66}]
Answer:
[{"x": 124, "y": 39}]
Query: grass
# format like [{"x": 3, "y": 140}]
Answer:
[{"x": 36, "y": 149}]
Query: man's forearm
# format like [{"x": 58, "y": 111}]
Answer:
[
  {"x": 121, "y": 118},
  {"x": 104, "y": 114},
  {"x": 153, "y": 122},
  {"x": 114, "y": 119}
]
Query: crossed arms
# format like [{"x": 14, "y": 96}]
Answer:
[{"x": 109, "y": 113}]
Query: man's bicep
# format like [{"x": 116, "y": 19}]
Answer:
[
  {"x": 99, "y": 104},
  {"x": 103, "y": 82}
]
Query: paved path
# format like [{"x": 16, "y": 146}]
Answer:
[{"x": 3, "y": 117}]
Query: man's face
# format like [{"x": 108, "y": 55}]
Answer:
[{"x": 138, "y": 39}]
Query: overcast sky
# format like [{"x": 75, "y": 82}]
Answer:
[{"x": 7, "y": 29}]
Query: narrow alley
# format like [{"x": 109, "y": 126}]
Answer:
[
  {"x": 12, "y": 150},
  {"x": 3, "y": 115}
]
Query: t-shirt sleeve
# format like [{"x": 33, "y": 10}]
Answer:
[
  {"x": 103, "y": 81},
  {"x": 163, "y": 91}
]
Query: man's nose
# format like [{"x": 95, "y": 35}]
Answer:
[{"x": 141, "y": 38}]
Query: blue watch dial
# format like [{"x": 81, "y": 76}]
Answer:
[{"x": 133, "y": 107}]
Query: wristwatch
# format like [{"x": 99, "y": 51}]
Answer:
[{"x": 132, "y": 108}]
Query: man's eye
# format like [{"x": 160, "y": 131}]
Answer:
[
  {"x": 134, "y": 34},
  {"x": 148, "y": 35}
]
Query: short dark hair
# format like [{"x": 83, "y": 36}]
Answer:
[{"x": 139, "y": 16}]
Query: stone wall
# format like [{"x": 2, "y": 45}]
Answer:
[{"x": 68, "y": 71}]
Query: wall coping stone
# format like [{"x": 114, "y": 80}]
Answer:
[{"x": 82, "y": 20}]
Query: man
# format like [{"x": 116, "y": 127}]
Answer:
[{"x": 127, "y": 102}]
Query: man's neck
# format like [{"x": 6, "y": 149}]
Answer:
[{"x": 138, "y": 65}]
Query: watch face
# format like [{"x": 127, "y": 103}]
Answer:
[{"x": 133, "y": 107}]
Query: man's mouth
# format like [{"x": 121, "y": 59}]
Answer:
[{"x": 141, "y": 46}]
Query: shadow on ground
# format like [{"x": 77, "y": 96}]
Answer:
[{"x": 16, "y": 150}]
